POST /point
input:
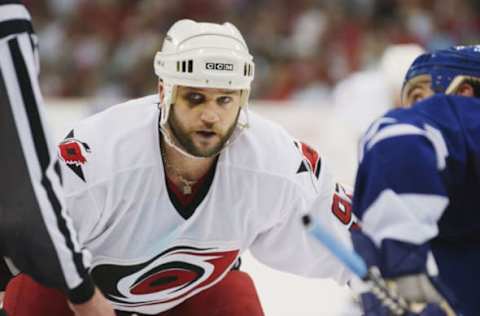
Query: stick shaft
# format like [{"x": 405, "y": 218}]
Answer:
[{"x": 348, "y": 257}]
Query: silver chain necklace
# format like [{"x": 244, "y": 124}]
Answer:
[{"x": 186, "y": 184}]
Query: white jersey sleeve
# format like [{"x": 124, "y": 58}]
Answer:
[
  {"x": 288, "y": 246},
  {"x": 85, "y": 210}
]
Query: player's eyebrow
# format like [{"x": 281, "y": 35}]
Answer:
[
  {"x": 228, "y": 91},
  {"x": 417, "y": 84}
]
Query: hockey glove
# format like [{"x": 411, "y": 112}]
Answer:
[{"x": 409, "y": 271}]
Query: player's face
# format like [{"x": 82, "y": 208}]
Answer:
[
  {"x": 203, "y": 119},
  {"x": 417, "y": 89}
]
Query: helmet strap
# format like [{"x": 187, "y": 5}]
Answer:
[{"x": 242, "y": 123}]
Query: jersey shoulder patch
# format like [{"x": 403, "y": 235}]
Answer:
[
  {"x": 74, "y": 153},
  {"x": 311, "y": 159}
]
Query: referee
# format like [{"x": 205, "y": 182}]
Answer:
[{"x": 36, "y": 235}]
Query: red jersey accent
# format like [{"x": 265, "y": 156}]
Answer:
[{"x": 186, "y": 199}]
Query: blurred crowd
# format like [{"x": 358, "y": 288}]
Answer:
[{"x": 302, "y": 48}]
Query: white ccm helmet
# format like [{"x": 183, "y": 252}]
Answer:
[{"x": 203, "y": 55}]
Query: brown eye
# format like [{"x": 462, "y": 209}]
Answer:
[
  {"x": 224, "y": 100},
  {"x": 194, "y": 98}
]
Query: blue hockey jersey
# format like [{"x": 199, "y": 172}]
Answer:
[{"x": 417, "y": 191}]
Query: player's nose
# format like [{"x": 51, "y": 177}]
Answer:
[{"x": 209, "y": 115}]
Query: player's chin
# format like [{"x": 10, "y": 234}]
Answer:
[
  {"x": 206, "y": 152},
  {"x": 207, "y": 148}
]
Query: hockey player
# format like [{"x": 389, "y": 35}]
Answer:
[
  {"x": 417, "y": 187},
  {"x": 167, "y": 191},
  {"x": 35, "y": 233}
]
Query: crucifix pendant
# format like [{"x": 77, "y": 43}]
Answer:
[
  {"x": 187, "y": 189},
  {"x": 187, "y": 186}
]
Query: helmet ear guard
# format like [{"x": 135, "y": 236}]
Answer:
[{"x": 203, "y": 55}]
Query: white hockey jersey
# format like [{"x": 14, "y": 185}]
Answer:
[{"x": 149, "y": 255}]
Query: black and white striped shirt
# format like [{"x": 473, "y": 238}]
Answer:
[{"x": 36, "y": 234}]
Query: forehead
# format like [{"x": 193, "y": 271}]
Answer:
[{"x": 207, "y": 91}]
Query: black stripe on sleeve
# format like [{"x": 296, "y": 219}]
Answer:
[
  {"x": 41, "y": 147},
  {"x": 17, "y": 26},
  {"x": 31, "y": 106},
  {"x": 58, "y": 171},
  {"x": 10, "y": 2}
]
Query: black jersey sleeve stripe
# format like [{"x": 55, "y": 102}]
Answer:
[
  {"x": 41, "y": 146},
  {"x": 58, "y": 171},
  {"x": 2, "y": 2},
  {"x": 30, "y": 103},
  {"x": 17, "y": 26}
]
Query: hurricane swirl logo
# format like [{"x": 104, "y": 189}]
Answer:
[
  {"x": 73, "y": 152},
  {"x": 165, "y": 280}
]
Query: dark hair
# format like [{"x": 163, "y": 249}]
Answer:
[{"x": 475, "y": 83}]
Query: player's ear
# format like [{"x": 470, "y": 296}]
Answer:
[{"x": 466, "y": 90}]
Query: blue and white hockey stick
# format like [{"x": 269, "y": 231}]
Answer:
[
  {"x": 350, "y": 258},
  {"x": 371, "y": 276},
  {"x": 396, "y": 304}
]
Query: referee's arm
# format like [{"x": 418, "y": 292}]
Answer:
[{"x": 35, "y": 232}]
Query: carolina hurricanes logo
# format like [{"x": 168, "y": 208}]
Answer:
[
  {"x": 165, "y": 280},
  {"x": 73, "y": 152},
  {"x": 311, "y": 161}
]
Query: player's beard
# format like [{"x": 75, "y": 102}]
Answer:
[{"x": 184, "y": 138}]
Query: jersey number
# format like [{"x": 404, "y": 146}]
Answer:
[
  {"x": 342, "y": 209},
  {"x": 342, "y": 204}
]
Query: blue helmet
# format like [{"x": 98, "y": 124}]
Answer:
[{"x": 444, "y": 65}]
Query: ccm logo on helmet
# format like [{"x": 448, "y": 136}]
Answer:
[{"x": 219, "y": 66}]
